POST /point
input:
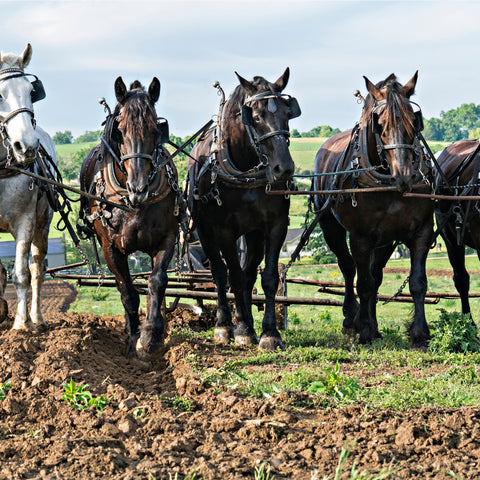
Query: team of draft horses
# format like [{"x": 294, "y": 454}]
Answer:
[{"x": 375, "y": 182}]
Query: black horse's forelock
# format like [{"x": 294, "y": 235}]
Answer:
[
  {"x": 136, "y": 116},
  {"x": 237, "y": 98}
]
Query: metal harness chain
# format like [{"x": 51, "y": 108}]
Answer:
[{"x": 399, "y": 291}]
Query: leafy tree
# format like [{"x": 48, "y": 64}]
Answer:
[
  {"x": 62, "y": 138},
  {"x": 294, "y": 133},
  {"x": 89, "y": 136}
]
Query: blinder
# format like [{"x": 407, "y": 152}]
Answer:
[
  {"x": 295, "y": 110},
  {"x": 247, "y": 115},
  {"x": 38, "y": 92},
  {"x": 163, "y": 130},
  {"x": 418, "y": 122}
]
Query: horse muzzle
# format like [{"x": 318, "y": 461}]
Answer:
[{"x": 137, "y": 194}]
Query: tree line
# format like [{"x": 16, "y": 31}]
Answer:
[{"x": 452, "y": 125}]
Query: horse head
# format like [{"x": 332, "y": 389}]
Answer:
[
  {"x": 17, "y": 95},
  {"x": 138, "y": 135},
  {"x": 261, "y": 114},
  {"x": 394, "y": 124}
]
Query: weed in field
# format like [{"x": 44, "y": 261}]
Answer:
[
  {"x": 454, "y": 332},
  {"x": 182, "y": 403},
  {"x": 263, "y": 472},
  {"x": 190, "y": 476},
  {"x": 4, "y": 388},
  {"x": 355, "y": 474},
  {"x": 35, "y": 433},
  {"x": 80, "y": 398},
  {"x": 335, "y": 386}
]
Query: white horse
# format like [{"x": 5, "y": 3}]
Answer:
[{"x": 24, "y": 208}]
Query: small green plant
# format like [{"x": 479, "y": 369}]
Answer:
[
  {"x": 263, "y": 472},
  {"x": 80, "y": 398},
  {"x": 182, "y": 403},
  {"x": 4, "y": 388},
  {"x": 335, "y": 386},
  {"x": 454, "y": 332},
  {"x": 139, "y": 412},
  {"x": 355, "y": 474},
  {"x": 190, "y": 476},
  {"x": 34, "y": 433}
]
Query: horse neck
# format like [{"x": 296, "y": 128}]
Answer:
[{"x": 369, "y": 142}]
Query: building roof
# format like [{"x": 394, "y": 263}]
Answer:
[
  {"x": 293, "y": 234},
  {"x": 55, "y": 246}
]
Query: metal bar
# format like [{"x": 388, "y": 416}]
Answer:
[
  {"x": 213, "y": 295},
  {"x": 402, "y": 298},
  {"x": 442, "y": 197},
  {"x": 65, "y": 267},
  {"x": 345, "y": 190},
  {"x": 66, "y": 187}
]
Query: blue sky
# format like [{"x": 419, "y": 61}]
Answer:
[{"x": 81, "y": 46}]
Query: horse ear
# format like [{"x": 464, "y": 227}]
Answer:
[
  {"x": 25, "y": 57},
  {"x": 247, "y": 86},
  {"x": 120, "y": 90},
  {"x": 409, "y": 88},
  {"x": 154, "y": 89},
  {"x": 282, "y": 81},
  {"x": 373, "y": 90}
]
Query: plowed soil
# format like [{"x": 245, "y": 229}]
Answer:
[{"x": 221, "y": 435}]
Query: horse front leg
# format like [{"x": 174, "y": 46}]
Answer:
[
  {"x": 223, "y": 332},
  {"x": 270, "y": 339},
  {"x": 365, "y": 323},
  {"x": 118, "y": 264},
  {"x": 244, "y": 330},
  {"x": 37, "y": 268},
  {"x": 153, "y": 328},
  {"x": 21, "y": 277},
  {"x": 418, "y": 331}
]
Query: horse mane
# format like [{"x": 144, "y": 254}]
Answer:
[
  {"x": 137, "y": 114},
  {"x": 396, "y": 107}
]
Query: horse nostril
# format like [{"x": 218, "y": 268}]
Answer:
[{"x": 18, "y": 146}]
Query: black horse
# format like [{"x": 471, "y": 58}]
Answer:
[
  {"x": 459, "y": 221},
  {"x": 236, "y": 164},
  {"x": 131, "y": 167},
  {"x": 382, "y": 150}
]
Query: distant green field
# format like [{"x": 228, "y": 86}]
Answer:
[{"x": 68, "y": 150}]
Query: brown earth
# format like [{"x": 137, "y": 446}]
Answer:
[{"x": 222, "y": 435}]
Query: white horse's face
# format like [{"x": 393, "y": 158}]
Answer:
[{"x": 15, "y": 95}]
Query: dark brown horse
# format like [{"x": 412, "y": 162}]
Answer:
[
  {"x": 235, "y": 164},
  {"x": 382, "y": 150},
  {"x": 460, "y": 163},
  {"x": 130, "y": 167}
]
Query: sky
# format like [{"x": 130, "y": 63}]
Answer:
[{"x": 81, "y": 46}]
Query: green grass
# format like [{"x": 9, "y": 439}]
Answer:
[{"x": 68, "y": 150}]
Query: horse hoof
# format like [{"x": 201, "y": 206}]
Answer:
[
  {"x": 25, "y": 326},
  {"x": 270, "y": 344},
  {"x": 145, "y": 355},
  {"x": 349, "y": 333},
  {"x": 41, "y": 326},
  {"x": 223, "y": 334},
  {"x": 245, "y": 340}
]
